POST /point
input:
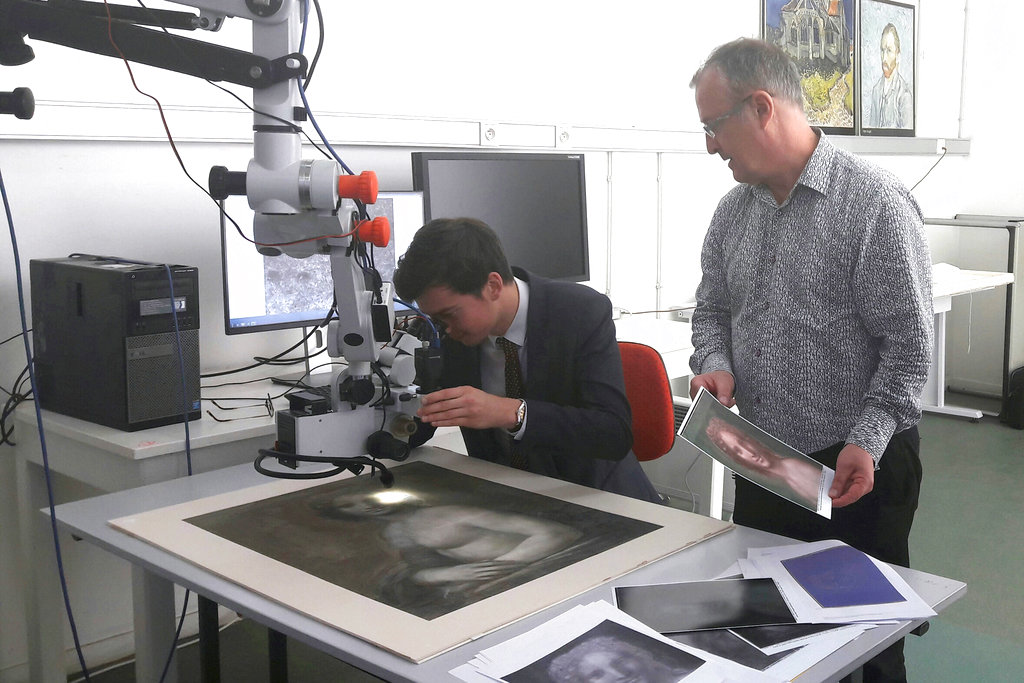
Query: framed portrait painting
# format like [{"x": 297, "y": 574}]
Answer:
[
  {"x": 888, "y": 101},
  {"x": 818, "y": 36}
]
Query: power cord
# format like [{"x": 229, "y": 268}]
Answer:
[{"x": 42, "y": 435}]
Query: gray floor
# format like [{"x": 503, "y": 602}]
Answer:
[{"x": 969, "y": 527}]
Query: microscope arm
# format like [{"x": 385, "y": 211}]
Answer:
[{"x": 85, "y": 27}]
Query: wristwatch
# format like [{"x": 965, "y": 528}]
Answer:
[{"x": 520, "y": 417}]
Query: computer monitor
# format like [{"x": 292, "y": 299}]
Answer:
[
  {"x": 280, "y": 292},
  {"x": 535, "y": 202}
]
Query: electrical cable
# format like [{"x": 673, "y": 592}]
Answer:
[
  {"x": 42, "y": 436},
  {"x": 14, "y": 399},
  {"x": 436, "y": 337},
  {"x": 309, "y": 110},
  {"x": 941, "y": 157},
  {"x": 290, "y": 124},
  {"x": 353, "y": 464},
  {"x": 320, "y": 42}
]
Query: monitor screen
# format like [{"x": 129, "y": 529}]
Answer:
[
  {"x": 535, "y": 202},
  {"x": 279, "y": 292}
]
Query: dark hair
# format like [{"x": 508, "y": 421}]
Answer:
[
  {"x": 458, "y": 253},
  {"x": 749, "y": 65}
]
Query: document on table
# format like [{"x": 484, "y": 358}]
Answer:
[
  {"x": 592, "y": 639},
  {"x": 830, "y": 582}
]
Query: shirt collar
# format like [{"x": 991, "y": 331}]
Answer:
[
  {"x": 816, "y": 173},
  {"x": 516, "y": 332}
]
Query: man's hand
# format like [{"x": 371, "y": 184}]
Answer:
[
  {"x": 468, "y": 407},
  {"x": 855, "y": 476},
  {"x": 720, "y": 383}
]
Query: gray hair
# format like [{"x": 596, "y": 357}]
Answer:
[{"x": 749, "y": 65}]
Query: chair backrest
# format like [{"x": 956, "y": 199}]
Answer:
[{"x": 650, "y": 399}]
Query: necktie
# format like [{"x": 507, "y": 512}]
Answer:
[
  {"x": 513, "y": 389},
  {"x": 513, "y": 371}
]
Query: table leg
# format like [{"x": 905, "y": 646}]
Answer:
[
  {"x": 717, "y": 499},
  {"x": 277, "y": 647},
  {"x": 934, "y": 396},
  {"x": 44, "y": 605},
  {"x": 209, "y": 641},
  {"x": 155, "y": 626}
]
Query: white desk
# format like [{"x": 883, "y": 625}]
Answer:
[
  {"x": 89, "y": 518},
  {"x": 947, "y": 284},
  {"x": 112, "y": 460}
]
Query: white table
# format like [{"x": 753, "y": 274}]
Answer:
[
  {"x": 88, "y": 519},
  {"x": 947, "y": 284},
  {"x": 108, "y": 460}
]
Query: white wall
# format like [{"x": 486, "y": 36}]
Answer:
[{"x": 118, "y": 190}]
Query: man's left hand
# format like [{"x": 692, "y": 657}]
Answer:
[
  {"x": 855, "y": 476},
  {"x": 468, "y": 407}
]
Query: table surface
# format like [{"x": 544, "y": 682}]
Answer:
[
  {"x": 960, "y": 281},
  {"x": 88, "y": 519}
]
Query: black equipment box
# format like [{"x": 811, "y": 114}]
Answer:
[{"x": 105, "y": 345}]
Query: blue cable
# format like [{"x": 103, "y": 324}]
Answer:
[
  {"x": 436, "y": 340},
  {"x": 305, "y": 102},
  {"x": 42, "y": 437}
]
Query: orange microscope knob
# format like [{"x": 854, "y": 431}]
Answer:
[
  {"x": 362, "y": 187},
  {"x": 377, "y": 232}
]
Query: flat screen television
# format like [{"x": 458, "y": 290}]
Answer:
[
  {"x": 535, "y": 202},
  {"x": 280, "y": 292}
]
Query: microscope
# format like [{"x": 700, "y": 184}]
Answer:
[{"x": 302, "y": 207}]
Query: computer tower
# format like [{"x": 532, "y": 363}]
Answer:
[{"x": 106, "y": 351}]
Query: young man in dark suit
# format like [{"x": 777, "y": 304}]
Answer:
[{"x": 571, "y": 418}]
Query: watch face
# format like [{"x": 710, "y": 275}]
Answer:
[{"x": 520, "y": 414}]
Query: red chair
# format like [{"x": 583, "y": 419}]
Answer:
[{"x": 650, "y": 399}]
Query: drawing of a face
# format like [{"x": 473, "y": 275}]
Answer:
[
  {"x": 744, "y": 450},
  {"x": 890, "y": 50},
  {"x": 371, "y": 504},
  {"x": 612, "y": 667}
]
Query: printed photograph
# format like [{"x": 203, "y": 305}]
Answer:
[
  {"x": 757, "y": 456},
  {"x": 818, "y": 36},
  {"x": 610, "y": 652}
]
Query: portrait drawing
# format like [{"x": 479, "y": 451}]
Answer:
[
  {"x": 887, "y": 68},
  {"x": 456, "y": 548},
  {"x": 437, "y": 541},
  {"x": 610, "y": 652}
]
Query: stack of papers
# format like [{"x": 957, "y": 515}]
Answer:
[
  {"x": 598, "y": 638},
  {"x": 771, "y": 617},
  {"x": 828, "y": 582}
]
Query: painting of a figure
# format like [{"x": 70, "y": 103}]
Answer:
[
  {"x": 887, "y": 69},
  {"x": 436, "y": 542},
  {"x": 818, "y": 36}
]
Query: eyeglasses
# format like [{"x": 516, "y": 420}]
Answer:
[{"x": 714, "y": 124}]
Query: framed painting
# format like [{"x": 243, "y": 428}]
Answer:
[
  {"x": 818, "y": 36},
  {"x": 458, "y": 547},
  {"x": 888, "y": 98}
]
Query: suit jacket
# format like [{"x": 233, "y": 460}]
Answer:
[{"x": 578, "y": 418}]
